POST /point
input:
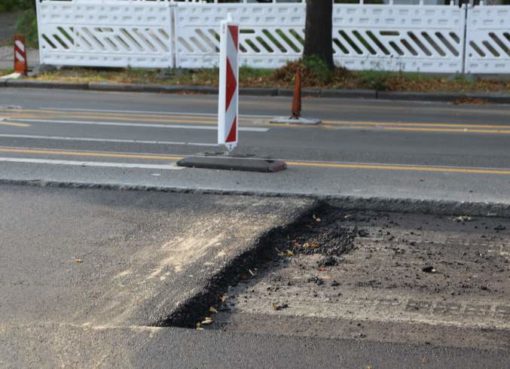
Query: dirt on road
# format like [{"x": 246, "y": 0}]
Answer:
[{"x": 443, "y": 280}]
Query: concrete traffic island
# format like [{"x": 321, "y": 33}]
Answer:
[
  {"x": 298, "y": 121},
  {"x": 224, "y": 161}
]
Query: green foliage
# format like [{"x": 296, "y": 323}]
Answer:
[
  {"x": 27, "y": 26},
  {"x": 375, "y": 80},
  {"x": 11, "y": 5},
  {"x": 318, "y": 68},
  {"x": 248, "y": 72}
]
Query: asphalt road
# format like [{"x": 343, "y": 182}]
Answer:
[
  {"x": 126, "y": 348},
  {"x": 84, "y": 274},
  {"x": 120, "y": 257},
  {"x": 363, "y": 148},
  {"x": 65, "y": 304}
]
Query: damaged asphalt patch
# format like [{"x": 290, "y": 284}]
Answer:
[
  {"x": 395, "y": 277},
  {"x": 98, "y": 278}
]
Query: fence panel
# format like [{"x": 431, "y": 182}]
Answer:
[
  {"x": 415, "y": 38},
  {"x": 488, "y": 40},
  {"x": 411, "y": 38},
  {"x": 270, "y": 35},
  {"x": 105, "y": 33},
  {"x": 168, "y": 33}
]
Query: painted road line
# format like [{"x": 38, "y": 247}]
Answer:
[
  {"x": 412, "y": 124},
  {"x": 134, "y": 118},
  {"x": 93, "y": 154},
  {"x": 143, "y": 125},
  {"x": 398, "y": 127},
  {"x": 125, "y": 118},
  {"x": 120, "y": 119},
  {"x": 109, "y": 140},
  {"x": 448, "y": 130},
  {"x": 311, "y": 164},
  {"x": 115, "y": 119},
  {"x": 191, "y": 118},
  {"x": 144, "y": 112},
  {"x": 98, "y": 164},
  {"x": 399, "y": 167},
  {"x": 425, "y": 130},
  {"x": 13, "y": 124},
  {"x": 425, "y": 107}
]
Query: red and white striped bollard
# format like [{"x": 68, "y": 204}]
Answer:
[
  {"x": 228, "y": 104},
  {"x": 20, "y": 55}
]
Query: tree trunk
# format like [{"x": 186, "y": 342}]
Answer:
[{"x": 318, "y": 30}]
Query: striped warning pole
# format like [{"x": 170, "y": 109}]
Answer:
[
  {"x": 20, "y": 55},
  {"x": 228, "y": 108}
]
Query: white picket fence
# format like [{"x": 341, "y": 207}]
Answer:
[{"x": 417, "y": 37}]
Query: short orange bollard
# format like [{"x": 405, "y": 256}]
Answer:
[
  {"x": 20, "y": 55},
  {"x": 296, "y": 100},
  {"x": 295, "y": 117}
]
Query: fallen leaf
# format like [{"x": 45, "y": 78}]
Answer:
[
  {"x": 311, "y": 245},
  {"x": 207, "y": 321}
]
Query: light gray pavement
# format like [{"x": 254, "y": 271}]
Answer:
[
  {"x": 47, "y": 347},
  {"x": 110, "y": 258},
  {"x": 7, "y": 58}
]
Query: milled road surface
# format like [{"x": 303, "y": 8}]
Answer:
[
  {"x": 407, "y": 278},
  {"x": 364, "y": 148}
]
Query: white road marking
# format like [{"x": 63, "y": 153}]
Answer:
[
  {"x": 111, "y": 140},
  {"x": 144, "y": 125},
  {"x": 90, "y": 163}
]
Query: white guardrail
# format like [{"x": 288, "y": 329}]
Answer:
[{"x": 417, "y": 36}]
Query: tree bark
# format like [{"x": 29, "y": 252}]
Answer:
[{"x": 319, "y": 30}]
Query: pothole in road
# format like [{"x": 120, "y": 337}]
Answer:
[{"x": 372, "y": 275}]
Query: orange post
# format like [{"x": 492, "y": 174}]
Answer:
[
  {"x": 296, "y": 100},
  {"x": 20, "y": 55}
]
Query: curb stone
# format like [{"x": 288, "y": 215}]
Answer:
[
  {"x": 46, "y": 84},
  {"x": 497, "y": 98},
  {"x": 349, "y": 94},
  {"x": 403, "y": 205}
]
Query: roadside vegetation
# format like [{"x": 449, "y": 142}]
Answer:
[
  {"x": 26, "y": 19},
  {"x": 13, "y": 5},
  {"x": 315, "y": 75}
]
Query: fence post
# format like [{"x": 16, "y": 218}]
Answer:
[{"x": 464, "y": 39}]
